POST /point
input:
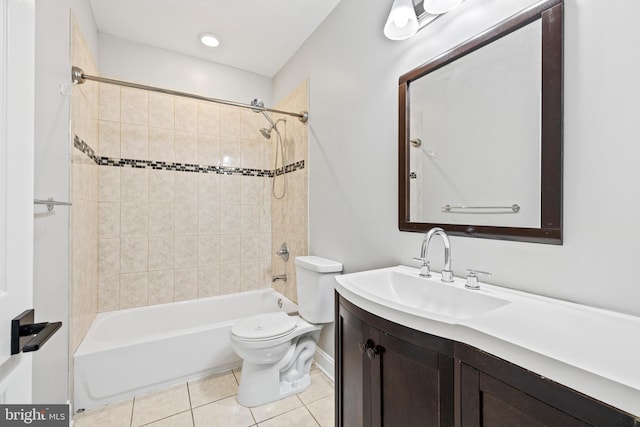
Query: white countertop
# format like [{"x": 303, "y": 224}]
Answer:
[{"x": 594, "y": 351}]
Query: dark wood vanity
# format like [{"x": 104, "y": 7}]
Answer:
[{"x": 391, "y": 375}]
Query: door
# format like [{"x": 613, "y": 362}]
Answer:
[{"x": 17, "y": 31}]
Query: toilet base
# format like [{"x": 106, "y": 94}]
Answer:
[{"x": 265, "y": 383}]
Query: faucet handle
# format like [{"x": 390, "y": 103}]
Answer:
[
  {"x": 472, "y": 278},
  {"x": 424, "y": 268}
]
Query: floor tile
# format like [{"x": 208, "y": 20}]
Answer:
[
  {"x": 300, "y": 417},
  {"x": 270, "y": 410},
  {"x": 223, "y": 413},
  {"x": 183, "y": 419},
  {"x": 212, "y": 388},
  {"x": 237, "y": 373},
  {"x": 323, "y": 411},
  {"x": 320, "y": 387},
  {"x": 155, "y": 406},
  {"x": 116, "y": 415}
]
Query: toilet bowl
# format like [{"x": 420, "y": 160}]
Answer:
[{"x": 277, "y": 349}]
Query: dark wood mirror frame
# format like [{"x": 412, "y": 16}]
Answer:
[{"x": 550, "y": 232}]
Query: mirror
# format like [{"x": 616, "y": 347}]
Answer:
[{"x": 480, "y": 134}]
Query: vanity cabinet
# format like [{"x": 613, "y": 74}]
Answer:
[
  {"x": 390, "y": 375},
  {"x": 493, "y": 392}
]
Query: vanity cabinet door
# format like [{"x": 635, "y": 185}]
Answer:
[
  {"x": 390, "y": 375},
  {"x": 350, "y": 375},
  {"x": 492, "y": 392}
]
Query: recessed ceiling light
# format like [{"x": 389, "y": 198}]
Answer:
[{"x": 209, "y": 39}]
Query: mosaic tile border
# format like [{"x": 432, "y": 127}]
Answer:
[{"x": 181, "y": 167}]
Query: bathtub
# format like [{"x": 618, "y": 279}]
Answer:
[{"x": 130, "y": 352}]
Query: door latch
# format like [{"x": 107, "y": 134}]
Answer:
[{"x": 29, "y": 336}]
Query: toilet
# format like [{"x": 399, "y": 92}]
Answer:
[{"x": 276, "y": 348}]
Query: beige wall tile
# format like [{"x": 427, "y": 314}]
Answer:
[
  {"x": 230, "y": 220},
  {"x": 186, "y": 219},
  {"x": 230, "y": 153},
  {"x": 134, "y": 141},
  {"x": 249, "y": 153},
  {"x": 249, "y": 247},
  {"x": 250, "y": 219},
  {"x": 230, "y": 190},
  {"x": 186, "y": 115},
  {"x": 109, "y": 220},
  {"x": 250, "y": 190},
  {"x": 186, "y": 284},
  {"x": 209, "y": 188},
  {"x": 109, "y": 184},
  {"x": 208, "y": 118},
  {"x": 109, "y": 102},
  {"x": 134, "y": 219},
  {"x": 161, "y": 286},
  {"x": 186, "y": 147},
  {"x": 186, "y": 187},
  {"x": 134, "y": 290},
  {"x": 230, "y": 248},
  {"x": 134, "y": 106},
  {"x": 161, "y": 219},
  {"x": 161, "y": 252},
  {"x": 208, "y": 149},
  {"x": 208, "y": 281},
  {"x": 134, "y": 185},
  {"x": 109, "y": 138},
  {"x": 161, "y": 111},
  {"x": 161, "y": 186},
  {"x": 134, "y": 255},
  {"x": 230, "y": 278},
  {"x": 209, "y": 250},
  {"x": 250, "y": 276},
  {"x": 161, "y": 144},
  {"x": 208, "y": 220},
  {"x": 108, "y": 256},
  {"x": 230, "y": 122},
  {"x": 108, "y": 293},
  {"x": 250, "y": 124},
  {"x": 186, "y": 251}
]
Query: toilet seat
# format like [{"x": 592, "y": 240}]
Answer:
[{"x": 262, "y": 327}]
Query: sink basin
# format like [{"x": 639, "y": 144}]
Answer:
[{"x": 401, "y": 288}]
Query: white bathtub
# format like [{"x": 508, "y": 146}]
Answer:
[{"x": 130, "y": 352}]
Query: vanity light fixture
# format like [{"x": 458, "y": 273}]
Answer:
[
  {"x": 209, "y": 39},
  {"x": 402, "y": 22},
  {"x": 407, "y": 17},
  {"x": 437, "y": 7}
]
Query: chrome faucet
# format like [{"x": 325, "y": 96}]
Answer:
[{"x": 447, "y": 272}]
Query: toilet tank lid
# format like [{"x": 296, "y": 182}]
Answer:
[{"x": 319, "y": 264}]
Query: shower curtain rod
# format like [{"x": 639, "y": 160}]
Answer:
[{"x": 78, "y": 77}]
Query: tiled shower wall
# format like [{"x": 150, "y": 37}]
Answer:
[
  {"x": 166, "y": 234},
  {"x": 290, "y": 213},
  {"x": 84, "y": 197}
]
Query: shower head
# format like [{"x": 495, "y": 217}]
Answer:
[{"x": 266, "y": 132}]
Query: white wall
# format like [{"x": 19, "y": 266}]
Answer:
[
  {"x": 126, "y": 60},
  {"x": 353, "y": 72},
  {"x": 51, "y": 232}
]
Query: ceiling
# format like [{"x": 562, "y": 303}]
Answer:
[{"x": 256, "y": 35}]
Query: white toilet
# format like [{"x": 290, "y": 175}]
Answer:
[{"x": 276, "y": 348}]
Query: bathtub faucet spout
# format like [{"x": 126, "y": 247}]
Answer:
[{"x": 282, "y": 277}]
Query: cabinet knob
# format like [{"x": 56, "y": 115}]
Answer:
[
  {"x": 362, "y": 346},
  {"x": 372, "y": 353}
]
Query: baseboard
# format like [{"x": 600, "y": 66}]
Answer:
[{"x": 325, "y": 363}]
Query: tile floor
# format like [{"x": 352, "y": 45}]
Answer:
[{"x": 211, "y": 402}]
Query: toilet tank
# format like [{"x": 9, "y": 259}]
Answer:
[{"x": 315, "y": 281}]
